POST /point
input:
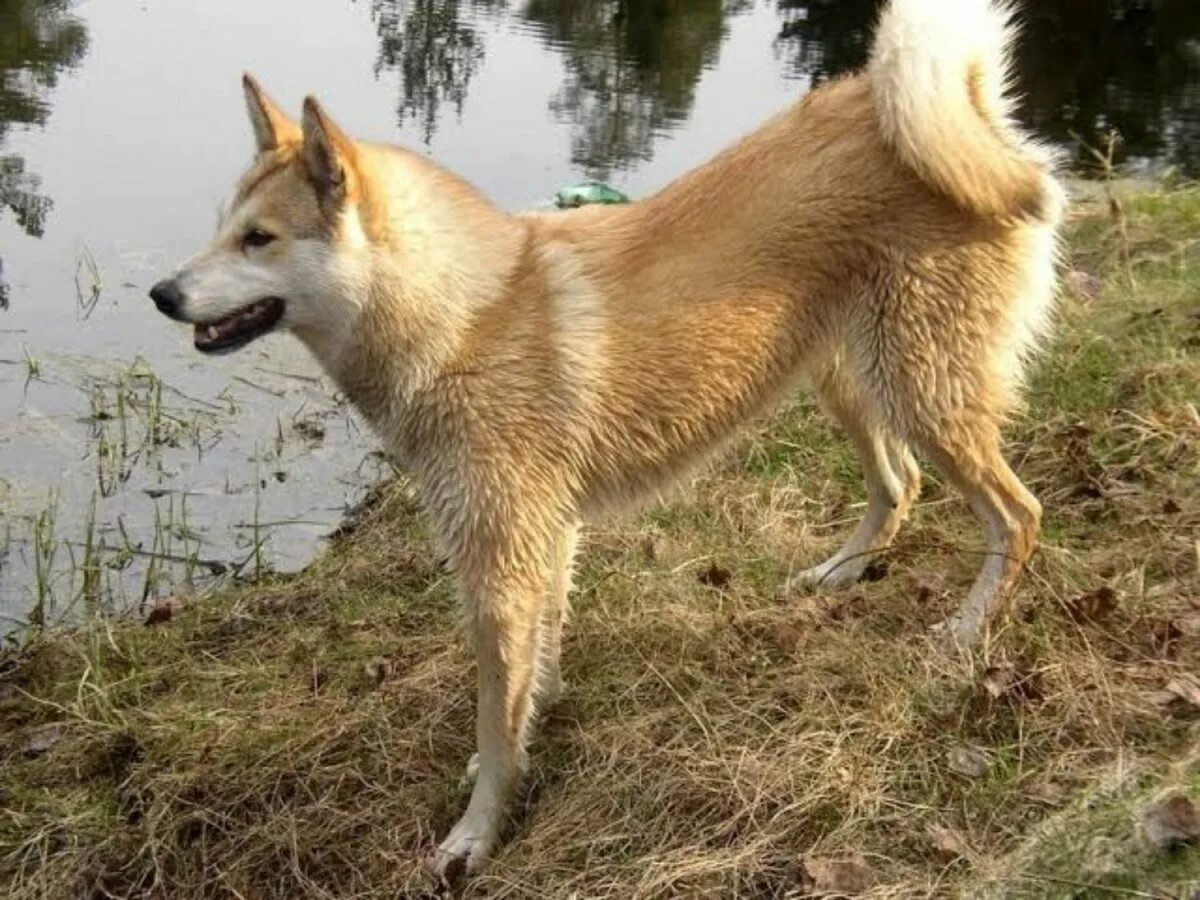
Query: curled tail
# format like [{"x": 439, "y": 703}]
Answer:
[{"x": 938, "y": 72}]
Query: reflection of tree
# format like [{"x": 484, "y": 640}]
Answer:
[
  {"x": 632, "y": 69},
  {"x": 1135, "y": 70},
  {"x": 436, "y": 50},
  {"x": 827, "y": 37},
  {"x": 18, "y": 192},
  {"x": 38, "y": 39},
  {"x": 1083, "y": 66}
]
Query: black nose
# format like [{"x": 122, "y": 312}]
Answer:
[{"x": 167, "y": 297}]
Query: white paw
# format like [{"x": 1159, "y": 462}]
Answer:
[
  {"x": 957, "y": 634},
  {"x": 463, "y": 852},
  {"x": 833, "y": 573}
]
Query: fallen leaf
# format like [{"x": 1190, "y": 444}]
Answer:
[
  {"x": 947, "y": 842},
  {"x": 1005, "y": 680},
  {"x": 42, "y": 739},
  {"x": 715, "y": 577},
  {"x": 844, "y": 608},
  {"x": 1093, "y": 605},
  {"x": 928, "y": 586},
  {"x": 998, "y": 680},
  {"x": 1172, "y": 823},
  {"x": 1185, "y": 688},
  {"x": 164, "y": 610},
  {"x": 838, "y": 877},
  {"x": 969, "y": 761}
]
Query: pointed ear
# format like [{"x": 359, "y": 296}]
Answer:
[
  {"x": 272, "y": 127},
  {"x": 328, "y": 155}
]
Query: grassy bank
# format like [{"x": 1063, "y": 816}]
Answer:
[{"x": 307, "y": 737}]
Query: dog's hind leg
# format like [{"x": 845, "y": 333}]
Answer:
[
  {"x": 968, "y": 455},
  {"x": 893, "y": 482}
]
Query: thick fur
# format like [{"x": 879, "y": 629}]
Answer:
[{"x": 890, "y": 240}]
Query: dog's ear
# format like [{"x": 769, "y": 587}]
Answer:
[
  {"x": 272, "y": 127},
  {"x": 328, "y": 155}
]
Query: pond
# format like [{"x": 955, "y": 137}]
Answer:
[{"x": 132, "y": 468}]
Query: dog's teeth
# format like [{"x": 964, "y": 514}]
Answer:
[{"x": 211, "y": 333}]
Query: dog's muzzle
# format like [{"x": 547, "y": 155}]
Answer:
[{"x": 168, "y": 298}]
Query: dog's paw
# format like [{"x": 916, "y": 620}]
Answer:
[
  {"x": 957, "y": 634},
  {"x": 463, "y": 853},
  {"x": 832, "y": 574}
]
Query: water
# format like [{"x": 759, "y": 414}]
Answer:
[{"x": 129, "y": 465}]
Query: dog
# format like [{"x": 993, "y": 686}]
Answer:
[{"x": 890, "y": 240}]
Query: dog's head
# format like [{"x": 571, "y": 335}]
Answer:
[{"x": 283, "y": 254}]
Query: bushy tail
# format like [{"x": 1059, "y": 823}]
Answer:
[{"x": 938, "y": 71}]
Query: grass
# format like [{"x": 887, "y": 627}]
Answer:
[{"x": 306, "y": 737}]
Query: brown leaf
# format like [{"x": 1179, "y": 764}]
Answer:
[
  {"x": 838, "y": 877},
  {"x": 1005, "y": 680},
  {"x": 998, "y": 680},
  {"x": 164, "y": 610},
  {"x": 947, "y": 842},
  {"x": 969, "y": 761},
  {"x": 927, "y": 586},
  {"x": 715, "y": 577},
  {"x": 1092, "y": 606},
  {"x": 844, "y": 608},
  {"x": 1172, "y": 823}
]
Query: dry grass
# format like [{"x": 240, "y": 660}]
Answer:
[{"x": 306, "y": 738}]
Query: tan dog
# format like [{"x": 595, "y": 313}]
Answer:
[{"x": 890, "y": 239}]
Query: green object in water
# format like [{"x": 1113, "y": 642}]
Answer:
[{"x": 588, "y": 192}]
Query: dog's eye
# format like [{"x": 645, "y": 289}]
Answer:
[{"x": 256, "y": 237}]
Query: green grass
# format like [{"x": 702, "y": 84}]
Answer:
[{"x": 306, "y": 737}]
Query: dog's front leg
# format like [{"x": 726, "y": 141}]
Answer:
[{"x": 505, "y": 620}]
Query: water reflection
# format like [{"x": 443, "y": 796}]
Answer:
[
  {"x": 1084, "y": 66},
  {"x": 436, "y": 47},
  {"x": 632, "y": 70},
  {"x": 631, "y": 67},
  {"x": 38, "y": 40}
]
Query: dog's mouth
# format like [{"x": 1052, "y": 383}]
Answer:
[{"x": 240, "y": 328}]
